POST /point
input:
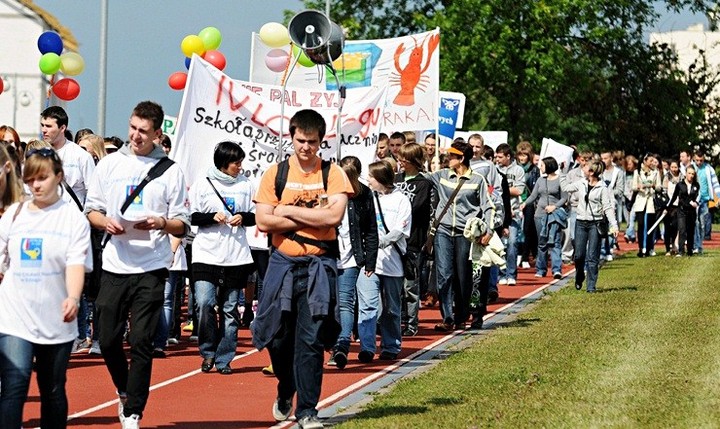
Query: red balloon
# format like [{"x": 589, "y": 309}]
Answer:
[
  {"x": 2, "y": 85},
  {"x": 215, "y": 58},
  {"x": 177, "y": 80},
  {"x": 66, "y": 89}
]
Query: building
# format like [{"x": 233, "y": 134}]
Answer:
[{"x": 24, "y": 96}]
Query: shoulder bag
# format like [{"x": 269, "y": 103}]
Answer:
[{"x": 428, "y": 247}]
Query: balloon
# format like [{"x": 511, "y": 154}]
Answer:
[
  {"x": 50, "y": 63},
  {"x": 192, "y": 44},
  {"x": 274, "y": 34},
  {"x": 72, "y": 64},
  {"x": 215, "y": 58},
  {"x": 66, "y": 89},
  {"x": 2, "y": 86},
  {"x": 303, "y": 60},
  {"x": 50, "y": 41},
  {"x": 177, "y": 80},
  {"x": 211, "y": 38},
  {"x": 187, "y": 62},
  {"x": 277, "y": 60}
]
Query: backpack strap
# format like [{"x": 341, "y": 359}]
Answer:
[
  {"x": 156, "y": 171},
  {"x": 282, "y": 176},
  {"x": 72, "y": 194}
]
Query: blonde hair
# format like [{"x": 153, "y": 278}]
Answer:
[
  {"x": 36, "y": 144},
  {"x": 97, "y": 143},
  {"x": 37, "y": 162},
  {"x": 13, "y": 191}
]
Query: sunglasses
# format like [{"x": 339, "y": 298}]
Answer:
[{"x": 45, "y": 152}]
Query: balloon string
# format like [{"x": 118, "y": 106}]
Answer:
[
  {"x": 49, "y": 91},
  {"x": 287, "y": 66}
]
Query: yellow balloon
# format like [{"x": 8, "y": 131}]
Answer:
[
  {"x": 192, "y": 44},
  {"x": 274, "y": 34},
  {"x": 72, "y": 64}
]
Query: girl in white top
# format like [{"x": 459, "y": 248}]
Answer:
[
  {"x": 393, "y": 214},
  {"x": 48, "y": 244},
  {"x": 221, "y": 261}
]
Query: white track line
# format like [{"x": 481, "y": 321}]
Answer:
[{"x": 346, "y": 391}]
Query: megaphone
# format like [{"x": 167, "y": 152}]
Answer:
[{"x": 320, "y": 39}]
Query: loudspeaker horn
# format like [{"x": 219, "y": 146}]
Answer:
[{"x": 321, "y": 39}]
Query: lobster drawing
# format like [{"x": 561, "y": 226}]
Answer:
[{"x": 411, "y": 76}]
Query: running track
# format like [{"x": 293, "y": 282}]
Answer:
[{"x": 184, "y": 397}]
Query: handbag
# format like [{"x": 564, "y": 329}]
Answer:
[
  {"x": 408, "y": 263},
  {"x": 428, "y": 247}
]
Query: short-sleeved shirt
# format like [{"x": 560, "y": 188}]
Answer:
[{"x": 302, "y": 189}]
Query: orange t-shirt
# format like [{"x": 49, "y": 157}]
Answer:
[{"x": 302, "y": 189}]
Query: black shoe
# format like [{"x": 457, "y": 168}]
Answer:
[
  {"x": 158, "y": 353},
  {"x": 207, "y": 364},
  {"x": 640, "y": 255},
  {"x": 579, "y": 279},
  {"x": 477, "y": 323},
  {"x": 388, "y": 356},
  {"x": 409, "y": 332},
  {"x": 226, "y": 370},
  {"x": 366, "y": 356},
  {"x": 444, "y": 327},
  {"x": 460, "y": 326},
  {"x": 340, "y": 358},
  {"x": 493, "y": 296}
]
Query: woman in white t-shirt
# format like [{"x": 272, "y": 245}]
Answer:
[
  {"x": 393, "y": 213},
  {"x": 48, "y": 243},
  {"x": 221, "y": 260}
]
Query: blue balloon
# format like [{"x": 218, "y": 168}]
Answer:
[
  {"x": 50, "y": 41},
  {"x": 187, "y": 63}
]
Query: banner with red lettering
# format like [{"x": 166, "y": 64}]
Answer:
[
  {"x": 217, "y": 108},
  {"x": 408, "y": 65}
]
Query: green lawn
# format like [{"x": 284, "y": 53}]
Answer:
[{"x": 645, "y": 352}]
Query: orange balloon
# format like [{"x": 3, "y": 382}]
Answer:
[{"x": 177, "y": 80}]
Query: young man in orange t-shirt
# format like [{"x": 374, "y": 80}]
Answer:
[{"x": 297, "y": 313}]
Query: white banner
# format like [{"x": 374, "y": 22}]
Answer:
[
  {"x": 563, "y": 154},
  {"x": 217, "y": 108},
  {"x": 409, "y": 66}
]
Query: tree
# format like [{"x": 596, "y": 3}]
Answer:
[{"x": 578, "y": 71}]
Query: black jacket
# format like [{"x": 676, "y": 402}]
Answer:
[
  {"x": 685, "y": 196},
  {"x": 421, "y": 193},
  {"x": 363, "y": 228}
]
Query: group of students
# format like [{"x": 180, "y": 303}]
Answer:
[{"x": 351, "y": 258}]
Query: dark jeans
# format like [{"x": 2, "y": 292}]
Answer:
[
  {"x": 686, "y": 230},
  {"x": 587, "y": 251},
  {"x": 16, "y": 364},
  {"x": 296, "y": 351},
  {"x": 454, "y": 276},
  {"x": 671, "y": 228},
  {"x": 646, "y": 242},
  {"x": 141, "y": 295}
]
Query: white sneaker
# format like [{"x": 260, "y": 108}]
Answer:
[
  {"x": 525, "y": 264},
  {"x": 95, "y": 348},
  {"x": 503, "y": 282},
  {"x": 511, "y": 282},
  {"x": 132, "y": 422},
  {"x": 609, "y": 258},
  {"x": 652, "y": 253}
]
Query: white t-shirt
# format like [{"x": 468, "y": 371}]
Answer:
[
  {"x": 136, "y": 251},
  {"x": 347, "y": 257},
  {"x": 222, "y": 244},
  {"x": 397, "y": 211},
  {"x": 78, "y": 167},
  {"x": 41, "y": 244}
]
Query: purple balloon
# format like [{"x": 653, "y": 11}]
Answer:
[
  {"x": 50, "y": 41},
  {"x": 187, "y": 63}
]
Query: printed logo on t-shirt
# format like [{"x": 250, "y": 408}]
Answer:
[
  {"x": 31, "y": 252},
  {"x": 138, "y": 199},
  {"x": 230, "y": 203}
]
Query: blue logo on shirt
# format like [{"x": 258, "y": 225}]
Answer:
[
  {"x": 230, "y": 202},
  {"x": 129, "y": 190},
  {"x": 31, "y": 252}
]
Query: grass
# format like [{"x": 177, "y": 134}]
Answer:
[{"x": 645, "y": 352}]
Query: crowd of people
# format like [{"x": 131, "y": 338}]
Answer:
[{"x": 348, "y": 259}]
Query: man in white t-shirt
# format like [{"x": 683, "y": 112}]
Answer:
[
  {"x": 78, "y": 165},
  {"x": 137, "y": 257}
]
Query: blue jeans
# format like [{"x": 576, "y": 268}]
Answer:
[
  {"x": 587, "y": 250},
  {"x": 166, "y": 318},
  {"x": 702, "y": 225},
  {"x": 370, "y": 289},
  {"x": 16, "y": 363},
  {"x": 554, "y": 244},
  {"x": 453, "y": 270},
  {"x": 512, "y": 251},
  {"x": 82, "y": 319},
  {"x": 630, "y": 231},
  {"x": 217, "y": 338},
  {"x": 297, "y": 345},
  {"x": 347, "y": 290}
]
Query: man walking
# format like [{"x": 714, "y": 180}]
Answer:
[
  {"x": 137, "y": 255},
  {"x": 297, "y": 314}
]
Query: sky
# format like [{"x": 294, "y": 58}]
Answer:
[{"x": 144, "y": 47}]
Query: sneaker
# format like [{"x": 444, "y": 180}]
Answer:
[
  {"x": 193, "y": 338},
  {"x": 81, "y": 346},
  {"x": 158, "y": 353},
  {"x": 268, "y": 370},
  {"x": 188, "y": 327},
  {"x": 557, "y": 276},
  {"x": 609, "y": 258},
  {"x": 511, "y": 282},
  {"x": 444, "y": 327},
  {"x": 503, "y": 282},
  {"x": 493, "y": 296},
  {"x": 207, "y": 364},
  {"x": 173, "y": 340},
  {"x": 525, "y": 264},
  {"x": 539, "y": 275},
  {"x": 95, "y": 348},
  {"x": 652, "y": 253},
  {"x": 388, "y": 356},
  {"x": 132, "y": 422},
  {"x": 409, "y": 332},
  {"x": 310, "y": 422},
  {"x": 366, "y": 356},
  {"x": 340, "y": 358},
  {"x": 477, "y": 323},
  {"x": 122, "y": 400},
  {"x": 331, "y": 361},
  {"x": 282, "y": 408}
]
